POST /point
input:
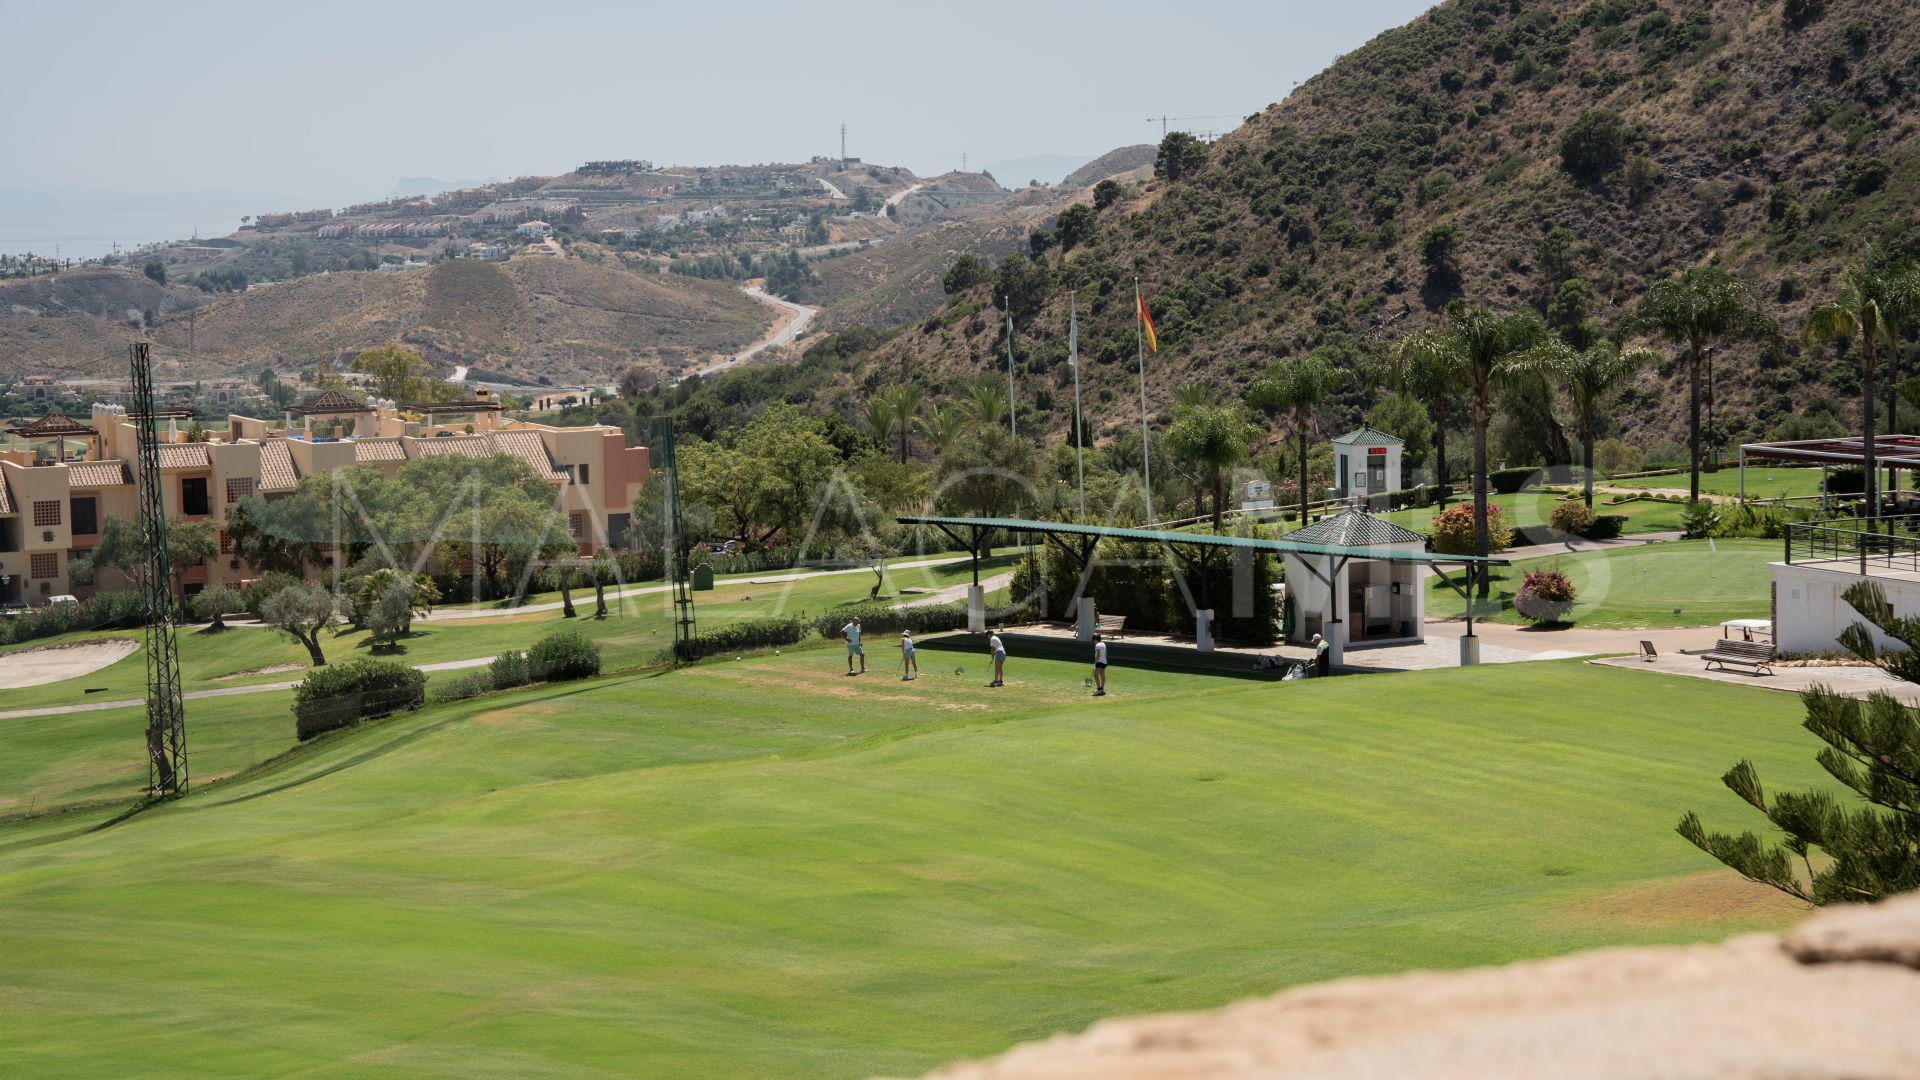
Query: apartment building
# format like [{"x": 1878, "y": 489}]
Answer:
[{"x": 52, "y": 510}]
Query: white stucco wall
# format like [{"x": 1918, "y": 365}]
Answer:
[{"x": 1808, "y": 612}]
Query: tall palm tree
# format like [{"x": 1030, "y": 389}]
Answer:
[
  {"x": 987, "y": 401},
  {"x": 941, "y": 424},
  {"x": 905, "y": 400},
  {"x": 1483, "y": 349},
  {"x": 1703, "y": 304},
  {"x": 1591, "y": 375},
  {"x": 1425, "y": 374},
  {"x": 1876, "y": 298},
  {"x": 1298, "y": 388},
  {"x": 1216, "y": 437}
]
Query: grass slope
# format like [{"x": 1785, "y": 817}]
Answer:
[
  {"x": 766, "y": 868},
  {"x": 1682, "y": 583}
]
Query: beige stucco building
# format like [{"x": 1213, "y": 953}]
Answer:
[{"x": 55, "y": 496}]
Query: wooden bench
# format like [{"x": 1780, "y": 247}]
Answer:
[
  {"x": 1754, "y": 654},
  {"x": 1110, "y": 626}
]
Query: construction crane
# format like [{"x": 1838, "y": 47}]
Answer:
[{"x": 1163, "y": 120}]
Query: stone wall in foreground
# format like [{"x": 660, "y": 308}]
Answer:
[{"x": 1837, "y": 997}]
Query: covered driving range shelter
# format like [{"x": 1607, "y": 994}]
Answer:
[
  {"x": 1326, "y": 565},
  {"x": 1891, "y": 452}
]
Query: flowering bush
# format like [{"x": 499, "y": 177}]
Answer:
[
  {"x": 1453, "y": 530},
  {"x": 1571, "y": 517},
  {"x": 1545, "y": 596}
]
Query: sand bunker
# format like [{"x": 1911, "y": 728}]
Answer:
[{"x": 33, "y": 667}]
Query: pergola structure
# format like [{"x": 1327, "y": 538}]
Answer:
[
  {"x": 330, "y": 403},
  {"x": 1890, "y": 452},
  {"x": 1196, "y": 549},
  {"x": 58, "y": 426}
]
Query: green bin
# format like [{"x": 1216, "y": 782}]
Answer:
[{"x": 703, "y": 578}]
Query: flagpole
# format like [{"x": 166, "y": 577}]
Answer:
[
  {"x": 1073, "y": 360},
  {"x": 1140, "y": 340},
  {"x": 1012, "y": 425}
]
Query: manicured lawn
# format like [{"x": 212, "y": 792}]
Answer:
[
  {"x": 1680, "y": 583},
  {"x": 1763, "y": 482},
  {"x": 1531, "y": 508},
  {"x": 765, "y": 868}
]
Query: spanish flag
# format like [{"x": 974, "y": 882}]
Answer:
[{"x": 1146, "y": 321}]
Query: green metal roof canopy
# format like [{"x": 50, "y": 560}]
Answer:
[{"x": 1102, "y": 532}]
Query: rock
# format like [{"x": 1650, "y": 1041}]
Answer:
[{"x": 1837, "y": 997}]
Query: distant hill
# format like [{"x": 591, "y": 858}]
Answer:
[
  {"x": 411, "y": 186},
  {"x": 1775, "y": 141},
  {"x": 1112, "y": 163},
  {"x": 1046, "y": 168},
  {"x": 565, "y": 319}
]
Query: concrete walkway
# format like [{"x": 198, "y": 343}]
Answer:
[
  {"x": 225, "y": 691},
  {"x": 1856, "y": 682}
]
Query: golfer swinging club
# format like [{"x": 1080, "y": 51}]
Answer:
[
  {"x": 1099, "y": 667},
  {"x": 909, "y": 664},
  {"x": 851, "y": 632},
  {"x": 999, "y": 651}
]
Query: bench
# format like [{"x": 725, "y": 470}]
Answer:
[
  {"x": 1110, "y": 625},
  {"x": 1754, "y": 654}
]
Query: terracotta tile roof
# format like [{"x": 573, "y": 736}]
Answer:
[
  {"x": 476, "y": 446},
  {"x": 92, "y": 474},
  {"x": 185, "y": 456},
  {"x": 277, "y": 472},
  {"x": 528, "y": 447},
  {"x": 524, "y": 445},
  {"x": 365, "y": 450}
]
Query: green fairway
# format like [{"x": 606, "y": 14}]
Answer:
[
  {"x": 1678, "y": 583},
  {"x": 1763, "y": 482},
  {"x": 765, "y": 868}
]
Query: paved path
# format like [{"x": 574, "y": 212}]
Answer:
[
  {"x": 1852, "y": 681},
  {"x": 225, "y": 691},
  {"x": 955, "y": 593},
  {"x": 832, "y": 191},
  {"x": 794, "y": 320}
]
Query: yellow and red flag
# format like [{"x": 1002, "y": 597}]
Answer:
[{"x": 1146, "y": 321}]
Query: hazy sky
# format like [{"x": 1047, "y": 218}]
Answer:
[{"x": 334, "y": 102}]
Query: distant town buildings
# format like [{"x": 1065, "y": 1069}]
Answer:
[{"x": 534, "y": 230}]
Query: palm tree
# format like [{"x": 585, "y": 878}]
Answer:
[
  {"x": 987, "y": 401},
  {"x": 880, "y": 417},
  {"x": 1876, "y": 298},
  {"x": 1592, "y": 375},
  {"x": 1426, "y": 375},
  {"x": 1702, "y": 304},
  {"x": 1298, "y": 387},
  {"x": 1216, "y": 437},
  {"x": 905, "y": 401},
  {"x": 1482, "y": 348},
  {"x": 941, "y": 424}
]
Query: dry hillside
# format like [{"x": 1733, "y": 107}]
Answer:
[
  {"x": 534, "y": 316},
  {"x": 1773, "y": 141}
]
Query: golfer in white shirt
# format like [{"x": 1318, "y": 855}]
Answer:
[{"x": 851, "y": 632}]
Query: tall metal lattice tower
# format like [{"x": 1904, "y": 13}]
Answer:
[
  {"x": 166, "y": 713},
  {"x": 685, "y": 628}
]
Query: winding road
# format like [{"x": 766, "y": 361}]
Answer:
[{"x": 795, "y": 318}]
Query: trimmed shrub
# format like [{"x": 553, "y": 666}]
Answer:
[
  {"x": 1453, "y": 530},
  {"x": 1607, "y": 526},
  {"x": 743, "y": 636},
  {"x": 922, "y": 619},
  {"x": 472, "y": 684},
  {"x": 264, "y": 587},
  {"x": 1571, "y": 517},
  {"x": 1545, "y": 596},
  {"x": 340, "y": 695},
  {"x": 1418, "y": 497},
  {"x": 106, "y": 611},
  {"x": 568, "y": 654},
  {"x": 1846, "y": 481},
  {"x": 509, "y": 670},
  {"x": 1513, "y": 481}
]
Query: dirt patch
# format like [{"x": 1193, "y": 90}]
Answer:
[
  {"x": 57, "y": 663},
  {"x": 272, "y": 669},
  {"x": 1714, "y": 898}
]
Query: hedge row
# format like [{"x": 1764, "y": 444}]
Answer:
[
  {"x": 880, "y": 618},
  {"x": 107, "y": 611},
  {"x": 339, "y": 695},
  {"x": 742, "y": 636}
]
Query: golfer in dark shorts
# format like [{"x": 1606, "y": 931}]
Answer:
[{"x": 1099, "y": 667}]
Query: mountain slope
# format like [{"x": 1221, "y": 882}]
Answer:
[{"x": 1775, "y": 149}]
